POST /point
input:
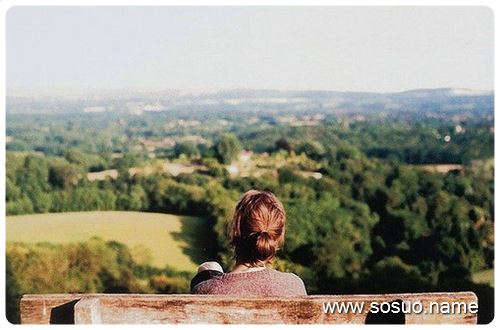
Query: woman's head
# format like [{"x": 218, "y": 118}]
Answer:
[{"x": 258, "y": 227}]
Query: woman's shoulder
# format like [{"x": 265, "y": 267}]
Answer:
[
  {"x": 291, "y": 279},
  {"x": 286, "y": 275}
]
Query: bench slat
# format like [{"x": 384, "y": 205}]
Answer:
[{"x": 145, "y": 308}]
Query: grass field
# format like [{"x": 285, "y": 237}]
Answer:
[{"x": 177, "y": 241}]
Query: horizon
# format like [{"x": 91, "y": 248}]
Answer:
[
  {"x": 193, "y": 92},
  {"x": 54, "y": 50}
]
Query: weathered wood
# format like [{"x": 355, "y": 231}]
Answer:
[
  {"x": 143, "y": 309},
  {"x": 39, "y": 308}
]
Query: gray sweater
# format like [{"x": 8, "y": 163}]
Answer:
[{"x": 262, "y": 283}]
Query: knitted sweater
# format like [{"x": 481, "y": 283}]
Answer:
[{"x": 261, "y": 283}]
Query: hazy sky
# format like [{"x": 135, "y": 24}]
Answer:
[{"x": 330, "y": 48}]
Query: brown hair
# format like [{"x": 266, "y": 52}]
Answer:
[{"x": 258, "y": 227}]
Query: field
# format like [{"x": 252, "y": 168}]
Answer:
[{"x": 176, "y": 241}]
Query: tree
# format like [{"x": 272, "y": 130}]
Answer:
[
  {"x": 287, "y": 174},
  {"x": 214, "y": 168},
  {"x": 41, "y": 200},
  {"x": 75, "y": 156},
  {"x": 33, "y": 174},
  {"x": 136, "y": 199},
  {"x": 12, "y": 192},
  {"x": 64, "y": 175},
  {"x": 186, "y": 148},
  {"x": 22, "y": 205},
  {"x": 228, "y": 148},
  {"x": 331, "y": 237},
  {"x": 313, "y": 149},
  {"x": 283, "y": 144}
]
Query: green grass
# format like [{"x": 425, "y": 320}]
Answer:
[
  {"x": 485, "y": 276},
  {"x": 177, "y": 241}
]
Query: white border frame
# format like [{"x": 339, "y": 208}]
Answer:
[{"x": 5, "y": 5}]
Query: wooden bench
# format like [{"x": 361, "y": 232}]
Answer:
[{"x": 155, "y": 308}]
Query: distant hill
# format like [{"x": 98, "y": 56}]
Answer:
[{"x": 140, "y": 102}]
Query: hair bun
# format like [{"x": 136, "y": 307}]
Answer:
[{"x": 265, "y": 245}]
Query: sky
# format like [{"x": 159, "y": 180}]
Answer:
[{"x": 376, "y": 49}]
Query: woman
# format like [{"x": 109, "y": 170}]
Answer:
[{"x": 257, "y": 232}]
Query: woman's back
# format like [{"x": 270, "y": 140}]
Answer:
[
  {"x": 257, "y": 232},
  {"x": 267, "y": 282}
]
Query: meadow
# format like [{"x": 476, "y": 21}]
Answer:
[{"x": 163, "y": 238}]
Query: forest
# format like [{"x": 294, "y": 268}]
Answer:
[{"x": 362, "y": 207}]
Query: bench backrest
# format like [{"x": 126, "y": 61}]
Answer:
[{"x": 153, "y": 308}]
